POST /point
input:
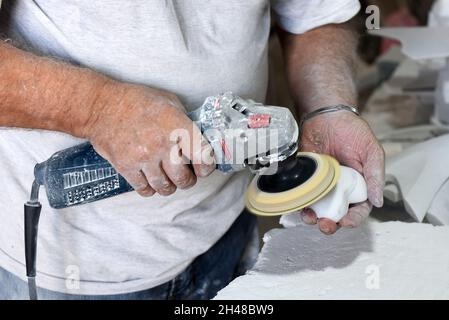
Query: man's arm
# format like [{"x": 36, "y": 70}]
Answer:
[
  {"x": 117, "y": 118},
  {"x": 41, "y": 93},
  {"x": 319, "y": 66}
]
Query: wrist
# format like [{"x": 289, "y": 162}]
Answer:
[
  {"x": 109, "y": 99},
  {"x": 88, "y": 99},
  {"x": 329, "y": 111}
]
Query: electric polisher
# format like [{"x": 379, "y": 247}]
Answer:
[{"x": 243, "y": 134}]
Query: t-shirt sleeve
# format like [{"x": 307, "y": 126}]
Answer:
[{"x": 299, "y": 16}]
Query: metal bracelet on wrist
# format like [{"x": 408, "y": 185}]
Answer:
[{"x": 323, "y": 110}]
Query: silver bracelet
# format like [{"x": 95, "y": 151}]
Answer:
[{"x": 323, "y": 110}]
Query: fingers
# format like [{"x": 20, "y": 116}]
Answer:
[
  {"x": 308, "y": 216},
  {"x": 139, "y": 183},
  {"x": 196, "y": 148},
  {"x": 374, "y": 173},
  {"x": 356, "y": 215},
  {"x": 353, "y": 218},
  {"x": 157, "y": 179},
  {"x": 326, "y": 226},
  {"x": 179, "y": 173},
  {"x": 146, "y": 192},
  {"x": 205, "y": 163},
  {"x": 164, "y": 178}
]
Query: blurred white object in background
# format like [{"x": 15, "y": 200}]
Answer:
[
  {"x": 420, "y": 174},
  {"x": 439, "y": 17},
  {"x": 430, "y": 42},
  {"x": 439, "y": 14}
]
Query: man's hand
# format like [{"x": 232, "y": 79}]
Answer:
[
  {"x": 319, "y": 67},
  {"x": 348, "y": 138},
  {"x": 133, "y": 128}
]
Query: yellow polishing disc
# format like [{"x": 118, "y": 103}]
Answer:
[{"x": 320, "y": 183}]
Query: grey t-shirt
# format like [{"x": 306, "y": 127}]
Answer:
[{"x": 193, "y": 48}]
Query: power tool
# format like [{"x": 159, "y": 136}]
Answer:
[{"x": 242, "y": 133}]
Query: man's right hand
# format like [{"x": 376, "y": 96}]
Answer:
[{"x": 132, "y": 127}]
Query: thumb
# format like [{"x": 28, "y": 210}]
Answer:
[
  {"x": 197, "y": 149},
  {"x": 374, "y": 174}
]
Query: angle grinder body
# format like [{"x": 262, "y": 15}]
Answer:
[{"x": 242, "y": 133}]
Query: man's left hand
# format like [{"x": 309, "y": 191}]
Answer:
[{"x": 348, "y": 138}]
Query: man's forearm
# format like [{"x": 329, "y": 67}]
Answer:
[
  {"x": 319, "y": 66},
  {"x": 41, "y": 93}
]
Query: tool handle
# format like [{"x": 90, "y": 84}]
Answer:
[{"x": 79, "y": 175}]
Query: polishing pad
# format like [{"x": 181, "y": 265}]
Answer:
[{"x": 299, "y": 182}]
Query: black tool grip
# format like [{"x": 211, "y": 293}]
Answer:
[{"x": 32, "y": 214}]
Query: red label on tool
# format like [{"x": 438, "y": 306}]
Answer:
[
  {"x": 225, "y": 149},
  {"x": 258, "y": 121}
]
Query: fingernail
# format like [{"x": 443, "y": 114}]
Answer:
[
  {"x": 306, "y": 218},
  {"x": 207, "y": 155},
  {"x": 378, "y": 201},
  {"x": 325, "y": 229},
  {"x": 348, "y": 223},
  {"x": 205, "y": 170}
]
